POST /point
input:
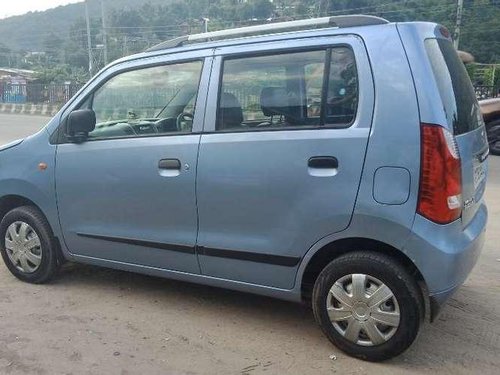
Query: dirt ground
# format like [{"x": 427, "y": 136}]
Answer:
[{"x": 99, "y": 321}]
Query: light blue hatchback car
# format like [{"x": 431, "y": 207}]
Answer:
[{"x": 338, "y": 161}]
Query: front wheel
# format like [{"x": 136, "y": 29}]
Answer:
[
  {"x": 368, "y": 305},
  {"x": 28, "y": 247}
]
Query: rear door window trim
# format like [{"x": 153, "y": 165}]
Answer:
[{"x": 248, "y": 54}]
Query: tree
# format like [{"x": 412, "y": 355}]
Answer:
[
  {"x": 52, "y": 48},
  {"x": 5, "y": 53}
]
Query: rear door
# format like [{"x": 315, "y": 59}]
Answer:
[
  {"x": 463, "y": 118},
  {"x": 281, "y": 156}
]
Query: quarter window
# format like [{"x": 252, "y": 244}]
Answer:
[
  {"x": 287, "y": 90},
  {"x": 157, "y": 100}
]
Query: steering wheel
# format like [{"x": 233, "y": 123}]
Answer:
[{"x": 184, "y": 121}]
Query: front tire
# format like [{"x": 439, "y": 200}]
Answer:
[
  {"x": 28, "y": 246},
  {"x": 368, "y": 305}
]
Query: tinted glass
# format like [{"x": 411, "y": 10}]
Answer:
[
  {"x": 148, "y": 101},
  {"x": 455, "y": 88},
  {"x": 288, "y": 90},
  {"x": 342, "y": 97},
  {"x": 314, "y": 79}
]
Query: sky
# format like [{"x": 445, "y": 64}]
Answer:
[{"x": 13, "y": 8}]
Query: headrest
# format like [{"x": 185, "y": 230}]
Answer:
[
  {"x": 231, "y": 114},
  {"x": 274, "y": 101},
  {"x": 229, "y": 100}
]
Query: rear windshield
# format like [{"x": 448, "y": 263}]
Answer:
[{"x": 455, "y": 87}]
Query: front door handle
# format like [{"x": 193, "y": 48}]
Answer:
[
  {"x": 169, "y": 167},
  {"x": 323, "y": 166}
]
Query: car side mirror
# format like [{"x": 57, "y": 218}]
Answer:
[{"x": 80, "y": 123}]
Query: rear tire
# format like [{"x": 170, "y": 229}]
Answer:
[
  {"x": 353, "y": 323},
  {"x": 28, "y": 246}
]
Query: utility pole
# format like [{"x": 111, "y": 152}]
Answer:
[
  {"x": 323, "y": 8},
  {"x": 456, "y": 36},
  {"x": 205, "y": 24},
  {"x": 89, "y": 40},
  {"x": 125, "y": 45},
  {"x": 104, "y": 33}
]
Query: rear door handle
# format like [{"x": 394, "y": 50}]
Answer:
[
  {"x": 169, "y": 167},
  {"x": 323, "y": 162},
  {"x": 323, "y": 166},
  {"x": 169, "y": 164}
]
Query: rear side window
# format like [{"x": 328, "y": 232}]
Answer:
[
  {"x": 283, "y": 90},
  {"x": 455, "y": 88}
]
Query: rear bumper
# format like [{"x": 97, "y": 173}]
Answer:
[
  {"x": 446, "y": 254},
  {"x": 437, "y": 300}
]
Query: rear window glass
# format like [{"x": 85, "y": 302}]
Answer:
[
  {"x": 455, "y": 87},
  {"x": 284, "y": 90}
]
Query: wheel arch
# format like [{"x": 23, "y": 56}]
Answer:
[
  {"x": 334, "y": 249},
  {"x": 15, "y": 192},
  {"x": 11, "y": 201}
]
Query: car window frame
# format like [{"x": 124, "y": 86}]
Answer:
[
  {"x": 59, "y": 136},
  {"x": 327, "y": 48}
]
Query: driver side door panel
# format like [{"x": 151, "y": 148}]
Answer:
[
  {"x": 131, "y": 198},
  {"x": 115, "y": 203}
]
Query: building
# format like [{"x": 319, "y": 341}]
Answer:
[{"x": 13, "y": 84}]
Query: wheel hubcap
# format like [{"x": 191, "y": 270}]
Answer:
[
  {"x": 363, "y": 309},
  {"x": 23, "y": 247}
]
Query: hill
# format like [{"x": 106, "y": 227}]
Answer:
[{"x": 28, "y": 31}]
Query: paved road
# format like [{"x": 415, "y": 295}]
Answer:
[
  {"x": 13, "y": 127},
  {"x": 98, "y": 321}
]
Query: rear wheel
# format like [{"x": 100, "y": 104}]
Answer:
[
  {"x": 27, "y": 245},
  {"x": 368, "y": 305}
]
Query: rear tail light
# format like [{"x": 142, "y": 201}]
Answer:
[{"x": 440, "y": 195}]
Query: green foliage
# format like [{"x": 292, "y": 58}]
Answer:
[
  {"x": 4, "y": 55},
  {"x": 55, "y": 74},
  {"x": 471, "y": 70},
  {"x": 490, "y": 75}
]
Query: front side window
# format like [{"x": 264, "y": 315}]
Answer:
[
  {"x": 157, "y": 100},
  {"x": 297, "y": 89}
]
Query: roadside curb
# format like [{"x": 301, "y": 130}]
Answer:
[{"x": 30, "y": 109}]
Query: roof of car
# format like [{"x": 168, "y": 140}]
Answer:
[
  {"x": 336, "y": 21},
  {"x": 260, "y": 33}
]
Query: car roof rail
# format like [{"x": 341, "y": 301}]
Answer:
[{"x": 351, "y": 20}]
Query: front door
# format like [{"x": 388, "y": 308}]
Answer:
[
  {"x": 127, "y": 193},
  {"x": 281, "y": 165}
]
